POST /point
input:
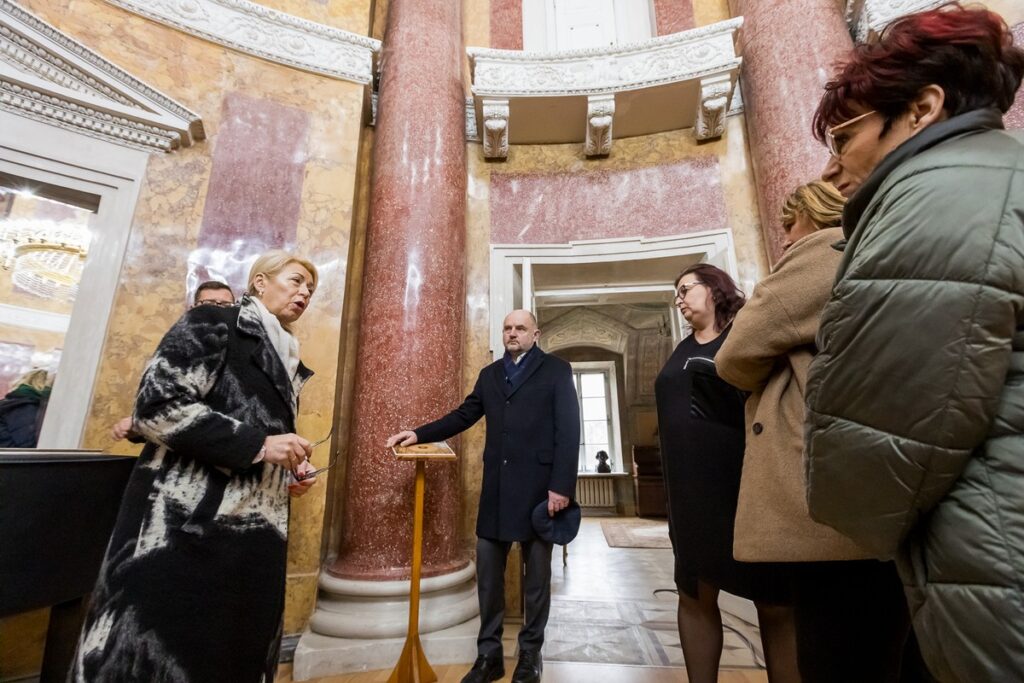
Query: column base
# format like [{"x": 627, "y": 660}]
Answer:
[
  {"x": 318, "y": 655},
  {"x": 348, "y": 608}
]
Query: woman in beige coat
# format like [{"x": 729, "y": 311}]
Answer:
[{"x": 851, "y": 617}]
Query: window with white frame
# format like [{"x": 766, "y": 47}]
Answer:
[
  {"x": 596, "y": 389},
  {"x": 550, "y": 25}
]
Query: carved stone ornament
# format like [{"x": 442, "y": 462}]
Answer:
[
  {"x": 868, "y": 18},
  {"x": 266, "y": 33},
  {"x": 597, "y": 71},
  {"x": 584, "y": 327},
  {"x": 495, "y": 132},
  {"x": 48, "y": 76},
  {"x": 714, "y": 104},
  {"x": 600, "y": 112}
]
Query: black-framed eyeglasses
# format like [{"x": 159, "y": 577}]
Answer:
[
  {"x": 831, "y": 145},
  {"x": 213, "y": 302},
  {"x": 685, "y": 288},
  {"x": 331, "y": 463}
]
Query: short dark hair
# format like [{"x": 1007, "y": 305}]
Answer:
[
  {"x": 727, "y": 296},
  {"x": 210, "y": 284},
  {"x": 969, "y": 53}
]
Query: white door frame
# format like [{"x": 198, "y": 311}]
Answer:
[
  {"x": 52, "y": 155},
  {"x": 712, "y": 246}
]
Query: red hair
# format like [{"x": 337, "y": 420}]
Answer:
[{"x": 969, "y": 53}]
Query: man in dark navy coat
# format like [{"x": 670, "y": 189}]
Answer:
[{"x": 531, "y": 455}]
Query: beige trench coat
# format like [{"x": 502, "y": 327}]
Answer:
[{"x": 767, "y": 353}]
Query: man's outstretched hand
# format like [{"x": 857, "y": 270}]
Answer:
[{"x": 406, "y": 438}]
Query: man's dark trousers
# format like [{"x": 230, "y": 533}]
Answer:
[{"x": 490, "y": 573}]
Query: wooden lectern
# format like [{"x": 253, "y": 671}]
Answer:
[{"x": 412, "y": 665}]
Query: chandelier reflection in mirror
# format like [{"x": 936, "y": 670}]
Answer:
[{"x": 45, "y": 256}]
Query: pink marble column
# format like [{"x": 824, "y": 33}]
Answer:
[
  {"x": 789, "y": 52},
  {"x": 409, "y": 367}
]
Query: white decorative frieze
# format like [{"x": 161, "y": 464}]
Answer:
[
  {"x": 48, "y": 76},
  {"x": 267, "y": 33},
  {"x": 657, "y": 85},
  {"x": 714, "y": 104},
  {"x": 600, "y": 112},
  {"x": 666, "y": 59},
  {"x": 868, "y": 18},
  {"x": 495, "y": 129}
]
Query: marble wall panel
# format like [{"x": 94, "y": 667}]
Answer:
[
  {"x": 1015, "y": 117},
  {"x": 507, "y": 24},
  {"x": 673, "y": 16},
  {"x": 651, "y": 201},
  {"x": 254, "y": 193}
]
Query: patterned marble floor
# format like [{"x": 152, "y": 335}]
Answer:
[{"x": 604, "y": 609}]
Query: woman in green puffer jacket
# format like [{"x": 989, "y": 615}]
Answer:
[{"x": 915, "y": 431}]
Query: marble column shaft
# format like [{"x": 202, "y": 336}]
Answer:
[
  {"x": 409, "y": 362},
  {"x": 789, "y": 51}
]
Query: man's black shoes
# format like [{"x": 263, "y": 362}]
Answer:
[
  {"x": 486, "y": 669},
  {"x": 529, "y": 668}
]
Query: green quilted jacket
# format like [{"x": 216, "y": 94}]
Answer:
[{"x": 915, "y": 428}]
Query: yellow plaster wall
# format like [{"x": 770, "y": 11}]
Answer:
[
  {"x": 710, "y": 11},
  {"x": 167, "y": 221}
]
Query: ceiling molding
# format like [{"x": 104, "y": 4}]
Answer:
[
  {"x": 48, "y": 76},
  {"x": 268, "y": 34}
]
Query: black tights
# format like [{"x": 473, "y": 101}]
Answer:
[{"x": 700, "y": 631}]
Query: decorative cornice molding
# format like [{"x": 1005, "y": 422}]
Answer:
[
  {"x": 266, "y": 33},
  {"x": 868, "y": 18},
  {"x": 666, "y": 59},
  {"x": 48, "y": 76}
]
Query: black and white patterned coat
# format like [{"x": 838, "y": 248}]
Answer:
[{"x": 192, "y": 587}]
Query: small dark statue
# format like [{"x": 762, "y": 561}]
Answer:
[{"x": 602, "y": 463}]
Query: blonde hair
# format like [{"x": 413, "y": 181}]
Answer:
[
  {"x": 37, "y": 379},
  {"x": 819, "y": 201},
  {"x": 273, "y": 262}
]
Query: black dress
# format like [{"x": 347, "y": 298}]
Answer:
[{"x": 700, "y": 420}]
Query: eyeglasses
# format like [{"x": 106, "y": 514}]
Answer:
[
  {"x": 333, "y": 461},
  {"x": 834, "y": 148},
  {"x": 685, "y": 289},
  {"x": 213, "y": 302}
]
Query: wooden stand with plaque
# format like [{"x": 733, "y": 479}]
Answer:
[{"x": 412, "y": 665}]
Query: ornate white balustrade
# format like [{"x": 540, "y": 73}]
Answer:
[
  {"x": 676, "y": 81},
  {"x": 867, "y": 18}
]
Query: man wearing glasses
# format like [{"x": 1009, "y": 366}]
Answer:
[
  {"x": 209, "y": 293},
  {"x": 213, "y": 293}
]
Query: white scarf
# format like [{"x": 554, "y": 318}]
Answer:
[{"x": 284, "y": 342}]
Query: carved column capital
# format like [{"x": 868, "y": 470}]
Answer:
[
  {"x": 600, "y": 112},
  {"x": 495, "y": 132},
  {"x": 714, "y": 103}
]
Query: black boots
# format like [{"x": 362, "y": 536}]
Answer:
[{"x": 486, "y": 669}]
